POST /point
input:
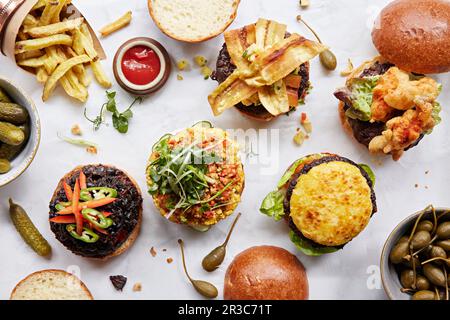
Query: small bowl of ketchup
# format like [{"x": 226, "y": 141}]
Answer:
[{"x": 141, "y": 66}]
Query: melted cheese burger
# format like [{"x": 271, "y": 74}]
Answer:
[{"x": 327, "y": 201}]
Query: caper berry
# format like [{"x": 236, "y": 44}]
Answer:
[
  {"x": 422, "y": 283},
  {"x": 399, "y": 252},
  {"x": 444, "y": 244},
  {"x": 437, "y": 252},
  {"x": 408, "y": 262},
  {"x": 443, "y": 230},
  {"x": 434, "y": 274},
  {"x": 424, "y": 295},
  {"x": 425, "y": 225},
  {"x": 421, "y": 239},
  {"x": 328, "y": 60},
  {"x": 407, "y": 278}
]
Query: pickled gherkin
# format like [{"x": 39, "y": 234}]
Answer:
[
  {"x": 27, "y": 230},
  {"x": 13, "y": 113},
  {"x": 4, "y": 97},
  {"x": 11, "y": 134}
]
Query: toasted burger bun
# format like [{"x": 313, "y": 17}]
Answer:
[
  {"x": 266, "y": 273},
  {"x": 51, "y": 285},
  {"x": 193, "y": 20},
  {"x": 415, "y": 35},
  {"x": 131, "y": 237}
]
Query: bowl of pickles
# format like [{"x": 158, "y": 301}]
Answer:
[
  {"x": 20, "y": 131},
  {"x": 415, "y": 262}
]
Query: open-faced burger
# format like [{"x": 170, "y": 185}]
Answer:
[
  {"x": 196, "y": 177},
  {"x": 96, "y": 211},
  {"x": 387, "y": 109},
  {"x": 327, "y": 200},
  {"x": 263, "y": 70}
]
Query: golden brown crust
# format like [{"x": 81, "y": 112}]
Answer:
[
  {"x": 132, "y": 237},
  {"x": 53, "y": 271},
  {"x": 173, "y": 36},
  {"x": 266, "y": 273},
  {"x": 414, "y": 35}
]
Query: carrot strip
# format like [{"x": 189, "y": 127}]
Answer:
[
  {"x": 83, "y": 184},
  {"x": 106, "y": 214},
  {"x": 76, "y": 209},
  {"x": 88, "y": 204},
  {"x": 68, "y": 191},
  {"x": 63, "y": 219},
  {"x": 94, "y": 227}
]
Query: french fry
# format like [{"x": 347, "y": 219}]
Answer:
[
  {"x": 65, "y": 84},
  {"x": 100, "y": 75},
  {"x": 39, "y": 5},
  {"x": 59, "y": 72},
  {"x": 29, "y": 22},
  {"x": 41, "y": 75},
  {"x": 87, "y": 32},
  {"x": 52, "y": 61},
  {"x": 116, "y": 25},
  {"x": 41, "y": 43},
  {"x": 82, "y": 93},
  {"x": 57, "y": 11},
  {"x": 29, "y": 55},
  {"x": 22, "y": 36},
  {"x": 49, "y": 10},
  {"x": 55, "y": 28},
  {"x": 81, "y": 44},
  {"x": 33, "y": 62}
]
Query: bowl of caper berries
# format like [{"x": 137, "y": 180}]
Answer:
[{"x": 415, "y": 262}]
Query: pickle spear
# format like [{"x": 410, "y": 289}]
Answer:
[{"x": 27, "y": 230}]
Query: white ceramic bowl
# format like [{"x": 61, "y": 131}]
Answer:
[{"x": 24, "y": 159}]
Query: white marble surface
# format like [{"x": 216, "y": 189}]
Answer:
[{"x": 345, "y": 26}]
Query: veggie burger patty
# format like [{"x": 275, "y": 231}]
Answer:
[
  {"x": 196, "y": 176},
  {"x": 106, "y": 227},
  {"x": 327, "y": 200}
]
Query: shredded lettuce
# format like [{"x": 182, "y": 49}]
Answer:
[
  {"x": 307, "y": 248},
  {"x": 362, "y": 97},
  {"x": 369, "y": 172},
  {"x": 272, "y": 205}
]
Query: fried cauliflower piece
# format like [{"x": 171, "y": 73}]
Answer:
[
  {"x": 402, "y": 131},
  {"x": 395, "y": 91}
]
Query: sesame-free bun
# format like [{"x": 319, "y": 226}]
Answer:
[
  {"x": 266, "y": 273},
  {"x": 193, "y": 20},
  {"x": 51, "y": 285},
  {"x": 415, "y": 35}
]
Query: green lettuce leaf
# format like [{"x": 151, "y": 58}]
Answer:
[
  {"x": 362, "y": 97},
  {"x": 369, "y": 171},
  {"x": 307, "y": 248},
  {"x": 288, "y": 174},
  {"x": 272, "y": 205},
  {"x": 435, "y": 114}
]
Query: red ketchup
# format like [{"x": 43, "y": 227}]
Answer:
[{"x": 140, "y": 65}]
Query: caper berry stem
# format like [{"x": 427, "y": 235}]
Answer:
[
  {"x": 435, "y": 225},
  {"x": 231, "y": 229},
  {"x": 420, "y": 250},
  {"x": 299, "y": 19},
  {"x": 181, "y": 243},
  {"x": 435, "y": 259},
  {"x": 414, "y": 284},
  {"x": 446, "y": 283},
  {"x": 413, "y": 232}
]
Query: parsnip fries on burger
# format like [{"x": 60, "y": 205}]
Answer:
[{"x": 268, "y": 69}]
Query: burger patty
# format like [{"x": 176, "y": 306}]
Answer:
[
  {"x": 293, "y": 183},
  {"x": 225, "y": 67},
  {"x": 125, "y": 211},
  {"x": 365, "y": 131}
]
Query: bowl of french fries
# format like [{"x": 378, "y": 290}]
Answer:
[{"x": 52, "y": 40}]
